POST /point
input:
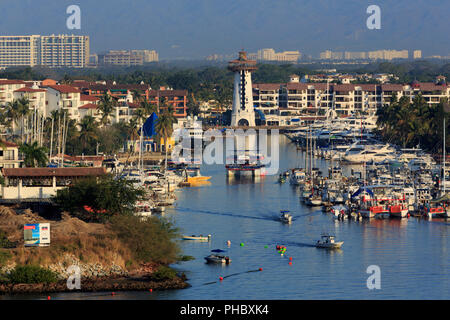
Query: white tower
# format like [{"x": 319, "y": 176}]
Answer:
[{"x": 243, "y": 112}]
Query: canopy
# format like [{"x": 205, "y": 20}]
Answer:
[
  {"x": 149, "y": 126},
  {"x": 218, "y": 250},
  {"x": 261, "y": 114},
  {"x": 361, "y": 190},
  {"x": 444, "y": 198}
]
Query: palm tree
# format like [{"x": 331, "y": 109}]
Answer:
[
  {"x": 88, "y": 131},
  {"x": 106, "y": 107},
  {"x": 23, "y": 107},
  {"x": 164, "y": 127},
  {"x": 148, "y": 107},
  {"x": 12, "y": 112},
  {"x": 34, "y": 154}
]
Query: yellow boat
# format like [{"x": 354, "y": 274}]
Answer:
[{"x": 197, "y": 179}]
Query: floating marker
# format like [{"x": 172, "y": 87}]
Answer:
[
  {"x": 113, "y": 293},
  {"x": 290, "y": 258},
  {"x": 48, "y": 297},
  {"x": 151, "y": 290},
  {"x": 290, "y": 263},
  {"x": 242, "y": 244},
  {"x": 220, "y": 278},
  {"x": 260, "y": 269},
  {"x": 265, "y": 247}
]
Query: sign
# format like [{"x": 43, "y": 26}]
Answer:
[{"x": 36, "y": 234}]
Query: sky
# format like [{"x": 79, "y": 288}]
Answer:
[{"x": 193, "y": 29}]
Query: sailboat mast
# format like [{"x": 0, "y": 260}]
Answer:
[{"x": 443, "y": 148}]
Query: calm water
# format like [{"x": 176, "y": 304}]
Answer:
[{"x": 413, "y": 254}]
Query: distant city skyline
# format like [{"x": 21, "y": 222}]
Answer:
[{"x": 198, "y": 28}]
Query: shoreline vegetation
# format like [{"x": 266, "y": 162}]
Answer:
[{"x": 114, "y": 251}]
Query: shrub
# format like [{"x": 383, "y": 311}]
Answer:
[
  {"x": 97, "y": 200},
  {"x": 32, "y": 274},
  {"x": 4, "y": 256},
  {"x": 151, "y": 240},
  {"x": 164, "y": 273},
  {"x": 4, "y": 242}
]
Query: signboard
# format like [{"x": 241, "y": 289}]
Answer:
[{"x": 36, "y": 234}]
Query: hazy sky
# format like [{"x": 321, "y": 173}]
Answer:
[{"x": 197, "y": 28}]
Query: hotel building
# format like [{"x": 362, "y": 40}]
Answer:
[{"x": 53, "y": 51}]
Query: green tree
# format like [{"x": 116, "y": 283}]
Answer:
[
  {"x": 164, "y": 127},
  {"x": 88, "y": 132},
  {"x": 106, "y": 107},
  {"x": 34, "y": 155}
]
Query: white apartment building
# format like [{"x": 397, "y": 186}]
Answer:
[
  {"x": 64, "y": 97},
  {"x": 374, "y": 55},
  {"x": 53, "y": 51},
  {"x": 7, "y": 88},
  {"x": 269, "y": 54},
  {"x": 9, "y": 155},
  {"x": 36, "y": 96}
]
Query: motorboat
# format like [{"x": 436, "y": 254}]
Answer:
[
  {"x": 197, "y": 238},
  {"x": 398, "y": 211},
  {"x": 285, "y": 217},
  {"x": 217, "y": 258},
  {"x": 328, "y": 242}
]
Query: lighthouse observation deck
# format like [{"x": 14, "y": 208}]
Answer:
[{"x": 242, "y": 64}]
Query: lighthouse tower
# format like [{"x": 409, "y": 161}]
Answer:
[{"x": 243, "y": 112}]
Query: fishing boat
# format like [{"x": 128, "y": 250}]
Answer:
[
  {"x": 217, "y": 258},
  {"x": 285, "y": 217},
  {"x": 198, "y": 238},
  {"x": 328, "y": 242}
]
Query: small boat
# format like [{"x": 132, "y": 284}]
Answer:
[
  {"x": 328, "y": 242},
  {"x": 285, "y": 217},
  {"x": 197, "y": 179},
  {"x": 313, "y": 200},
  {"x": 281, "y": 179},
  {"x": 217, "y": 258},
  {"x": 198, "y": 238},
  {"x": 398, "y": 211}
]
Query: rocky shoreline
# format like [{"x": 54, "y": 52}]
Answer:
[{"x": 98, "y": 284}]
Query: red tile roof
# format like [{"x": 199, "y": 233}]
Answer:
[
  {"x": 11, "y": 82},
  {"x": 28, "y": 89},
  {"x": 88, "y": 106},
  {"x": 85, "y": 97},
  {"x": 53, "y": 172},
  {"x": 9, "y": 144},
  {"x": 64, "y": 88},
  {"x": 267, "y": 86}
]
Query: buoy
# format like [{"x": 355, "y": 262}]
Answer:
[
  {"x": 228, "y": 243},
  {"x": 290, "y": 258},
  {"x": 151, "y": 290},
  {"x": 48, "y": 297},
  {"x": 260, "y": 269},
  {"x": 220, "y": 278},
  {"x": 242, "y": 244},
  {"x": 265, "y": 247},
  {"x": 113, "y": 293},
  {"x": 290, "y": 263}
]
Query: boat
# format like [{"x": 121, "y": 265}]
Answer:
[
  {"x": 197, "y": 179},
  {"x": 217, "y": 258},
  {"x": 398, "y": 211},
  {"x": 281, "y": 179},
  {"x": 198, "y": 238},
  {"x": 328, "y": 242},
  {"x": 285, "y": 217}
]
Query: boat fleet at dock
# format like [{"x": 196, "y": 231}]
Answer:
[{"x": 392, "y": 182}]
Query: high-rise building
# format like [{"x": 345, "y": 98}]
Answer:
[
  {"x": 52, "y": 51},
  {"x": 65, "y": 51},
  {"x": 148, "y": 55},
  {"x": 417, "y": 54},
  {"x": 121, "y": 58},
  {"x": 269, "y": 54},
  {"x": 19, "y": 51}
]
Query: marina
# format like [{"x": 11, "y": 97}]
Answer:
[{"x": 247, "y": 212}]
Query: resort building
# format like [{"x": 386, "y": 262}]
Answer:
[
  {"x": 9, "y": 155},
  {"x": 315, "y": 99},
  {"x": 7, "y": 89},
  {"x": 64, "y": 97},
  {"x": 53, "y": 51}
]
